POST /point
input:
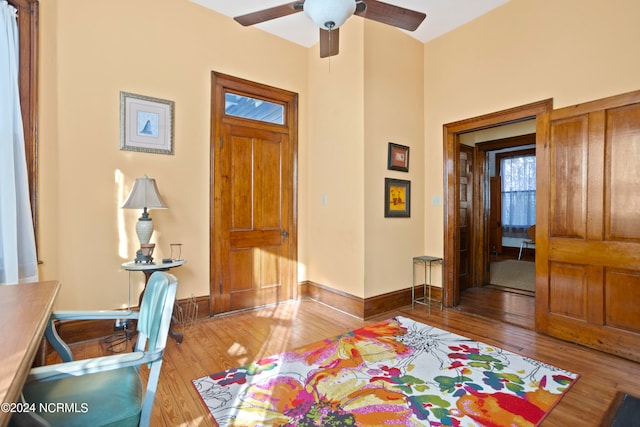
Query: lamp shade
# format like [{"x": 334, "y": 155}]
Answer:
[
  {"x": 144, "y": 194},
  {"x": 329, "y": 14}
]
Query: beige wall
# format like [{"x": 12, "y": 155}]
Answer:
[
  {"x": 162, "y": 48},
  {"x": 360, "y": 100},
  {"x": 522, "y": 52},
  {"x": 394, "y": 112},
  {"x": 336, "y": 165},
  {"x": 382, "y": 87}
]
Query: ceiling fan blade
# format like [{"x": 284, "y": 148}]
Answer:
[
  {"x": 269, "y": 14},
  {"x": 397, "y": 16},
  {"x": 329, "y": 42}
]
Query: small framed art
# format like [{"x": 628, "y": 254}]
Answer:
[
  {"x": 398, "y": 157},
  {"x": 146, "y": 124},
  {"x": 397, "y": 198}
]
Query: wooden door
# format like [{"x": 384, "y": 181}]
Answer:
[
  {"x": 495, "y": 215},
  {"x": 253, "y": 246},
  {"x": 588, "y": 230},
  {"x": 466, "y": 216}
]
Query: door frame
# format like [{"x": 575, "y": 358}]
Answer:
[
  {"x": 540, "y": 111},
  {"x": 219, "y": 84}
]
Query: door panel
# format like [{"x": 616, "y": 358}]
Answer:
[
  {"x": 622, "y": 299},
  {"x": 588, "y": 279},
  {"x": 252, "y": 215},
  {"x": 495, "y": 215},
  {"x": 568, "y": 296},
  {"x": 569, "y": 177},
  {"x": 466, "y": 215},
  {"x": 622, "y": 177}
]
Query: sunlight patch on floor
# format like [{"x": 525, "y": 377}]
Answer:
[
  {"x": 238, "y": 351},
  {"x": 195, "y": 422},
  {"x": 286, "y": 310}
]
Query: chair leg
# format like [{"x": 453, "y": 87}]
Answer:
[{"x": 520, "y": 253}]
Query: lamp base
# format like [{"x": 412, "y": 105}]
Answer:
[
  {"x": 142, "y": 259},
  {"x": 143, "y": 255},
  {"x": 144, "y": 228}
]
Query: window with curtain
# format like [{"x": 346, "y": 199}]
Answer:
[
  {"x": 27, "y": 18},
  {"x": 518, "y": 175},
  {"x": 18, "y": 262}
]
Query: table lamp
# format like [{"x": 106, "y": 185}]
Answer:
[{"x": 144, "y": 195}]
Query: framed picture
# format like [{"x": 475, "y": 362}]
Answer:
[
  {"x": 398, "y": 157},
  {"x": 146, "y": 124},
  {"x": 397, "y": 198}
]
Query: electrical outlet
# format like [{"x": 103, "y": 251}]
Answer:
[{"x": 121, "y": 324}]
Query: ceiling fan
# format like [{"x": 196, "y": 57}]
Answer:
[{"x": 329, "y": 15}]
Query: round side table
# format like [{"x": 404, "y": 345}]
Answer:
[{"x": 148, "y": 270}]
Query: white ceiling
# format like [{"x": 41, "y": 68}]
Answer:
[{"x": 442, "y": 16}]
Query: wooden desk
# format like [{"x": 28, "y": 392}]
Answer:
[{"x": 24, "y": 313}]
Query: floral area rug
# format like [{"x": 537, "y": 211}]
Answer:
[{"x": 394, "y": 373}]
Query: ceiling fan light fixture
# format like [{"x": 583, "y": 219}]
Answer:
[{"x": 329, "y": 14}]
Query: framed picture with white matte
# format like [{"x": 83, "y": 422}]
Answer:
[{"x": 146, "y": 124}]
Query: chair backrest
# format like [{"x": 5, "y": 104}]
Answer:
[
  {"x": 531, "y": 232},
  {"x": 155, "y": 311},
  {"x": 154, "y": 322}
]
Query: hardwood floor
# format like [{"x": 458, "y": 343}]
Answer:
[
  {"x": 224, "y": 342},
  {"x": 497, "y": 303}
]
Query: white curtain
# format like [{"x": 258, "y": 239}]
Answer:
[
  {"x": 18, "y": 260},
  {"x": 518, "y": 195}
]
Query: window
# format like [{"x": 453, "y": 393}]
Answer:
[
  {"x": 253, "y": 108},
  {"x": 518, "y": 174},
  {"x": 28, "y": 86}
]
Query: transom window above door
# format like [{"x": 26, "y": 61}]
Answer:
[{"x": 253, "y": 108}]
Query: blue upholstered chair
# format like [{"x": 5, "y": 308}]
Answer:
[{"x": 105, "y": 390}]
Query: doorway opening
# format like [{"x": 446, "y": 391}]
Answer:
[
  {"x": 457, "y": 135},
  {"x": 509, "y": 186}
]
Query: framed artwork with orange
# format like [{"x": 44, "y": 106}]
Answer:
[{"x": 397, "y": 198}]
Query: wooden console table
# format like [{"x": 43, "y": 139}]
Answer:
[{"x": 24, "y": 313}]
